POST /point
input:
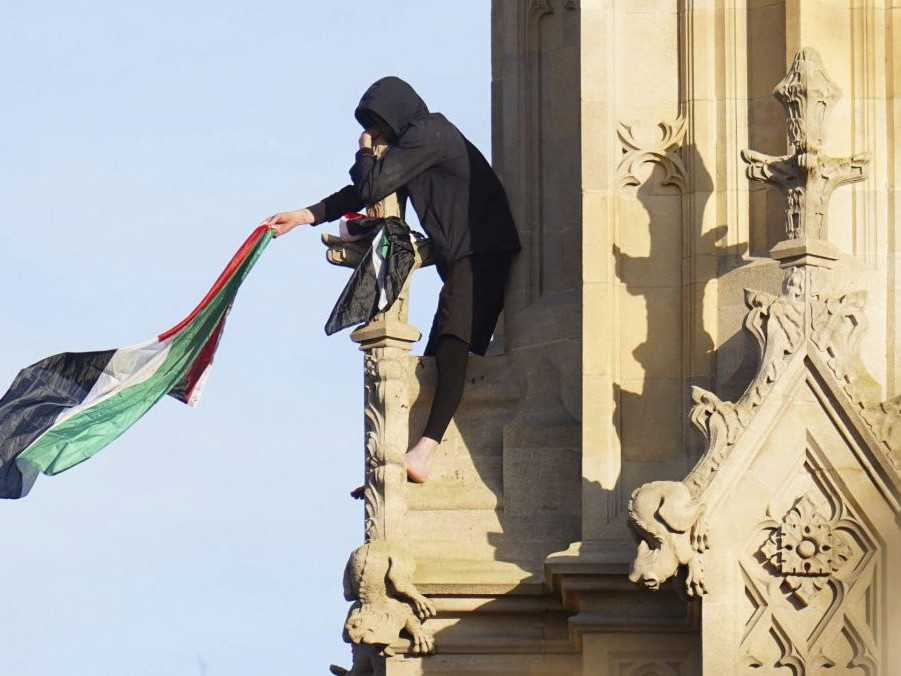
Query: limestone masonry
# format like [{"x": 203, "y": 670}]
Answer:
[{"x": 682, "y": 454}]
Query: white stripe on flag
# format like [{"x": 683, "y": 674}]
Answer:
[
  {"x": 379, "y": 268},
  {"x": 128, "y": 366}
]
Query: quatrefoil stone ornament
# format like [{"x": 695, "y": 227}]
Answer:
[{"x": 806, "y": 549}]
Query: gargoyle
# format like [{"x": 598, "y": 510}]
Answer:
[
  {"x": 378, "y": 577},
  {"x": 674, "y": 533}
]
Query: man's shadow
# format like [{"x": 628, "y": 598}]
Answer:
[{"x": 652, "y": 403}]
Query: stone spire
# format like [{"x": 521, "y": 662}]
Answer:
[{"x": 806, "y": 175}]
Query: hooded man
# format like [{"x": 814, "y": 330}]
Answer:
[{"x": 462, "y": 206}]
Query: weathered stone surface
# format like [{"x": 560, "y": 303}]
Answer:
[
  {"x": 800, "y": 479},
  {"x": 629, "y": 328}
]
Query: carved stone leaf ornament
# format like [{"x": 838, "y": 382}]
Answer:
[
  {"x": 374, "y": 412},
  {"x": 885, "y": 421},
  {"x": 658, "y": 145},
  {"x": 777, "y": 324}
]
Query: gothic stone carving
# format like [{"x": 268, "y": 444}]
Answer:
[
  {"x": 658, "y": 147},
  {"x": 379, "y": 579},
  {"x": 805, "y": 550},
  {"x": 777, "y": 324},
  {"x": 668, "y": 515},
  {"x": 885, "y": 421},
  {"x": 674, "y": 533},
  {"x": 799, "y": 319},
  {"x": 385, "y": 428},
  {"x": 806, "y": 175},
  {"x": 812, "y": 576},
  {"x": 837, "y": 326}
]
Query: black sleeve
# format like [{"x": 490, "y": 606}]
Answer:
[
  {"x": 416, "y": 150},
  {"x": 337, "y": 204}
]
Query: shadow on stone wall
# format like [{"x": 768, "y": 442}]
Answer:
[
  {"x": 651, "y": 411},
  {"x": 511, "y": 483},
  {"x": 507, "y": 482}
]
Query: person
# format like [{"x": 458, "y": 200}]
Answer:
[{"x": 463, "y": 208}]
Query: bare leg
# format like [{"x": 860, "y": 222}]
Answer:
[{"x": 450, "y": 357}]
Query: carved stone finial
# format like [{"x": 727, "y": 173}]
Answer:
[
  {"x": 808, "y": 95},
  {"x": 806, "y": 175}
]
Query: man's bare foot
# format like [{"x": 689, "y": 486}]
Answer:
[{"x": 419, "y": 460}]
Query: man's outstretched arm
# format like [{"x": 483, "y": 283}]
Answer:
[
  {"x": 328, "y": 209},
  {"x": 337, "y": 204}
]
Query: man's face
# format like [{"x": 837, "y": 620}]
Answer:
[{"x": 380, "y": 131}]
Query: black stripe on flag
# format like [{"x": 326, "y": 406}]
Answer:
[{"x": 34, "y": 401}]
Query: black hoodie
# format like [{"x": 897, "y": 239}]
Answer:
[{"x": 459, "y": 199}]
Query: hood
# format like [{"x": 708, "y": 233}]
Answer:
[{"x": 394, "y": 101}]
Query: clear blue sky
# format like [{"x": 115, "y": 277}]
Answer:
[{"x": 139, "y": 144}]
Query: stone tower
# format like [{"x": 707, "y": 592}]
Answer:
[{"x": 682, "y": 454}]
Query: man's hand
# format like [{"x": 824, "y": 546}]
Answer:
[
  {"x": 366, "y": 139},
  {"x": 284, "y": 222}
]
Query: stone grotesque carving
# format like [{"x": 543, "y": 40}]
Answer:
[
  {"x": 806, "y": 175},
  {"x": 674, "y": 533},
  {"x": 669, "y": 515},
  {"x": 378, "y": 578},
  {"x": 797, "y": 320}
]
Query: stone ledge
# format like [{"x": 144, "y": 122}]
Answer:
[{"x": 473, "y": 577}]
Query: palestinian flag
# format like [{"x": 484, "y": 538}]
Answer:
[
  {"x": 65, "y": 408},
  {"x": 381, "y": 274}
]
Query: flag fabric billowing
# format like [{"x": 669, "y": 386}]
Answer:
[
  {"x": 65, "y": 408},
  {"x": 379, "y": 277}
]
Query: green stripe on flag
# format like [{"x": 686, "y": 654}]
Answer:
[
  {"x": 384, "y": 246},
  {"x": 78, "y": 438}
]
